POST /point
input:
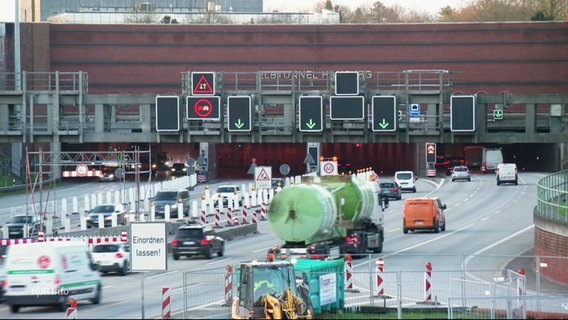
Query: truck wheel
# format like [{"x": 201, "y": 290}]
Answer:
[
  {"x": 176, "y": 256},
  {"x": 405, "y": 230},
  {"x": 443, "y": 228},
  {"x": 62, "y": 306},
  {"x": 436, "y": 227},
  {"x": 221, "y": 251},
  {"x": 378, "y": 249},
  {"x": 14, "y": 309},
  {"x": 97, "y": 298}
]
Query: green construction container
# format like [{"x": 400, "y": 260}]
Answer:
[{"x": 326, "y": 283}]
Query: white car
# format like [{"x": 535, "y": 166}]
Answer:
[
  {"x": 224, "y": 193},
  {"x": 112, "y": 257},
  {"x": 405, "y": 180},
  {"x": 506, "y": 173}
]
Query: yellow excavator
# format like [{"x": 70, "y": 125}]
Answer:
[{"x": 270, "y": 290}]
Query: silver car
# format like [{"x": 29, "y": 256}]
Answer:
[{"x": 461, "y": 173}]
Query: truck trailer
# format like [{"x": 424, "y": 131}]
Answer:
[{"x": 328, "y": 216}]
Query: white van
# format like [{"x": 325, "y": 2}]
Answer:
[
  {"x": 50, "y": 273},
  {"x": 405, "y": 180}
]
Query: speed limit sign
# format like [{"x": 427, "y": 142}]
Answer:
[
  {"x": 82, "y": 170},
  {"x": 328, "y": 168}
]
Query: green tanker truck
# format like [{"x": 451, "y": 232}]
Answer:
[{"x": 327, "y": 216}]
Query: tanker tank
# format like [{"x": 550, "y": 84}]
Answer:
[{"x": 320, "y": 208}]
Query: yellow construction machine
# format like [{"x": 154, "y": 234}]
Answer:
[{"x": 270, "y": 290}]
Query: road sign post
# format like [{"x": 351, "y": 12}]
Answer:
[
  {"x": 384, "y": 113},
  {"x": 311, "y": 114},
  {"x": 347, "y": 108},
  {"x": 239, "y": 113},
  {"x": 200, "y": 108},
  {"x": 167, "y": 113},
  {"x": 202, "y": 83},
  {"x": 346, "y": 83},
  {"x": 430, "y": 152},
  {"x": 462, "y": 113}
]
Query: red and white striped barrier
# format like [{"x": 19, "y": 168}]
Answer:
[
  {"x": 40, "y": 236},
  {"x": 254, "y": 217},
  {"x": 7, "y": 242},
  {"x": 245, "y": 215},
  {"x": 229, "y": 286},
  {"x": 229, "y": 217},
  {"x": 218, "y": 218},
  {"x": 166, "y": 303},
  {"x": 263, "y": 211},
  {"x": 521, "y": 289},
  {"x": 380, "y": 289},
  {"x": 349, "y": 274},
  {"x": 428, "y": 282},
  {"x": 203, "y": 217},
  {"x": 124, "y": 236}
]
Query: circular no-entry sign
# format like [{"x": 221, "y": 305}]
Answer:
[{"x": 82, "y": 170}]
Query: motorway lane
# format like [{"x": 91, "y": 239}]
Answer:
[{"x": 480, "y": 215}]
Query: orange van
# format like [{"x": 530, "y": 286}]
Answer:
[{"x": 423, "y": 214}]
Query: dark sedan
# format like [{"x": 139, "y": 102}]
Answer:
[
  {"x": 193, "y": 240},
  {"x": 390, "y": 189}
]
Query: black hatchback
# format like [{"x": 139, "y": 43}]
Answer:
[{"x": 193, "y": 240}]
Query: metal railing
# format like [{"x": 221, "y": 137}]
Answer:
[{"x": 552, "y": 197}]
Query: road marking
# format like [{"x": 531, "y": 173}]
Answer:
[
  {"x": 105, "y": 306},
  {"x": 162, "y": 274}
]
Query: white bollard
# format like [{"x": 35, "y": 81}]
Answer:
[
  {"x": 117, "y": 196},
  {"x": 113, "y": 219},
  {"x": 99, "y": 198},
  {"x": 86, "y": 204},
  {"x": 167, "y": 213},
  {"x": 67, "y": 224},
  {"x": 93, "y": 200},
  {"x": 83, "y": 222},
  {"x": 152, "y": 213},
  {"x": 194, "y": 213},
  {"x": 109, "y": 196},
  {"x": 101, "y": 221},
  {"x": 75, "y": 203},
  {"x": 180, "y": 210}
]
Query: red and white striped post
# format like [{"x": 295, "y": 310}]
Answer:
[
  {"x": 229, "y": 285},
  {"x": 428, "y": 282},
  {"x": 380, "y": 289},
  {"x": 166, "y": 303},
  {"x": 245, "y": 215},
  {"x": 521, "y": 290},
  {"x": 124, "y": 236},
  {"x": 349, "y": 274},
  {"x": 254, "y": 217},
  {"x": 72, "y": 310},
  {"x": 218, "y": 218},
  {"x": 229, "y": 217},
  {"x": 40, "y": 236},
  {"x": 263, "y": 210}
]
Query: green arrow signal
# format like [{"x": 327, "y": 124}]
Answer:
[
  {"x": 383, "y": 124},
  {"x": 311, "y": 124},
  {"x": 239, "y": 124},
  {"x": 498, "y": 114}
]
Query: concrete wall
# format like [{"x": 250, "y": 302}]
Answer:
[{"x": 551, "y": 244}]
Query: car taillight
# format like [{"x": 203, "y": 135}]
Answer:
[
  {"x": 118, "y": 255},
  {"x": 393, "y": 189},
  {"x": 204, "y": 241},
  {"x": 174, "y": 242}
]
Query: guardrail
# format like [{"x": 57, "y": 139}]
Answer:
[{"x": 552, "y": 197}]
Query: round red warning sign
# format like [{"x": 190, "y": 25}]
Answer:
[
  {"x": 43, "y": 262},
  {"x": 82, "y": 170},
  {"x": 203, "y": 108}
]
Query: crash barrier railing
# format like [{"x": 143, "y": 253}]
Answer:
[
  {"x": 452, "y": 285},
  {"x": 552, "y": 196}
]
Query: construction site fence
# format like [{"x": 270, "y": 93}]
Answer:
[{"x": 439, "y": 292}]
